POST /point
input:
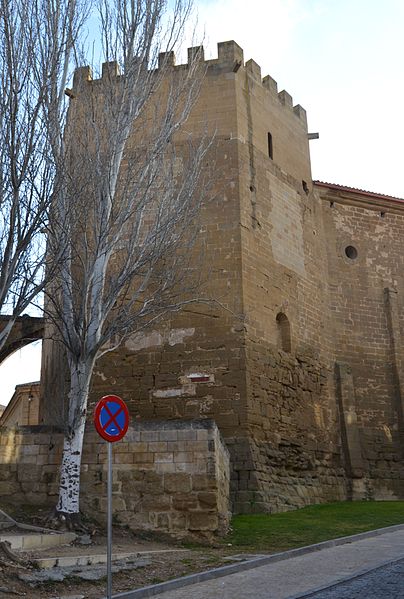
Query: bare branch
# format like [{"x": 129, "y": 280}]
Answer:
[
  {"x": 36, "y": 45},
  {"x": 127, "y": 202}
]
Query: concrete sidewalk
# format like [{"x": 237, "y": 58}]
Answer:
[{"x": 297, "y": 575}]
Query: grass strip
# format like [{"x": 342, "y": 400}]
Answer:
[{"x": 312, "y": 524}]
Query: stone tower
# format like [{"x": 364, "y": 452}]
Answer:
[{"x": 300, "y": 361}]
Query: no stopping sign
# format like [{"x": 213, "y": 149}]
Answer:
[{"x": 111, "y": 418}]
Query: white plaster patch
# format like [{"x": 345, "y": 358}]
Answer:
[
  {"x": 100, "y": 374},
  {"x": 175, "y": 392},
  {"x": 168, "y": 392},
  {"x": 176, "y": 336},
  {"x": 139, "y": 341}
]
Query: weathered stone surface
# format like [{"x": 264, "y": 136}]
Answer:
[
  {"x": 177, "y": 483},
  {"x": 207, "y": 500},
  {"x": 143, "y": 498},
  {"x": 203, "y": 521},
  {"x": 310, "y": 276}
]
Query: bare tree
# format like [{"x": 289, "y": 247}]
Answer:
[
  {"x": 37, "y": 40},
  {"x": 129, "y": 201}
]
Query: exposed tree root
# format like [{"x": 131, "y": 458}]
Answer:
[
  {"x": 7, "y": 555},
  {"x": 65, "y": 521}
]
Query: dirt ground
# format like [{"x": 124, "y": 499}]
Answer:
[
  {"x": 164, "y": 560},
  {"x": 162, "y": 567}
]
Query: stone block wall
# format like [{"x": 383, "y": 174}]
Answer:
[
  {"x": 180, "y": 371},
  {"x": 23, "y": 408},
  {"x": 365, "y": 255},
  {"x": 29, "y": 462},
  {"x": 303, "y": 370},
  {"x": 170, "y": 477},
  {"x": 291, "y": 456}
]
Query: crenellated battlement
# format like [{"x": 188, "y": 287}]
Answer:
[{"x": 230, "y": 58}]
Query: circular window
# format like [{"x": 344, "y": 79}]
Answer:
[{"x": 351, "y": 252}]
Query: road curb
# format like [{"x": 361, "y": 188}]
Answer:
[{"x": 177, "y": 583}]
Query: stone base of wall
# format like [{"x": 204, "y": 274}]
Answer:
[
  {"x": 273, "y": 479},
  {"x": 304, "y": 442},
  {"x": 290, "y": 455},
  {"x": 377, "y": 489},
  {"x": 170, "y": 477}
]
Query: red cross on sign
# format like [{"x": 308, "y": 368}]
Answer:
[{"x": 111, "y": 418}]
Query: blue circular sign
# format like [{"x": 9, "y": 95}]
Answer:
[{"x": 111, "y": 418}]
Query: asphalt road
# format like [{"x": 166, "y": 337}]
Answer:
[
  {"x": 300, "y": 576},
  {"x": 383, "y": 583}
]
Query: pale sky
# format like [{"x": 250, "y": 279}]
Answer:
[{"x": 342, "y": 61}]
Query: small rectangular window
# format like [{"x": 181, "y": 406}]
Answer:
[{"x": 270, "y": 148}]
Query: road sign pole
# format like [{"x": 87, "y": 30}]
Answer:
[
  {"x": 109, "y": 524},
  {"x": 111, "y": 420}
]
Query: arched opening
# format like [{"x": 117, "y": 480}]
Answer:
[
  {"x": 24, "y": 331},
  {"x": 284, "y": 334}
]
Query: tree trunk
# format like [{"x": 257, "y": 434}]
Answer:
[{"x": 69, "y": 490}]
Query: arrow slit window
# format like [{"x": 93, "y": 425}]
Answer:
[{"x": 270, "y": 146}]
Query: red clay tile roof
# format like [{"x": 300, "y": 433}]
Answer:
[{"x": 363, "y": 192}]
